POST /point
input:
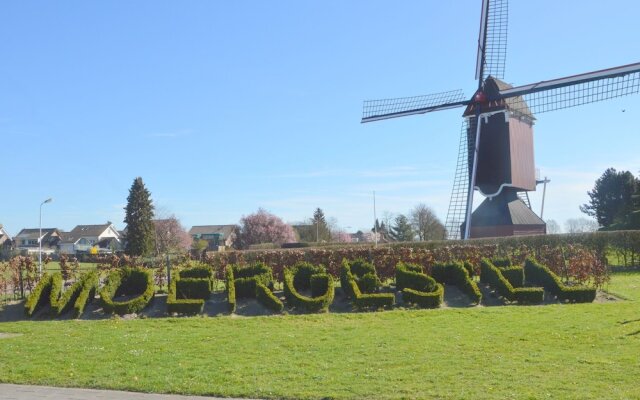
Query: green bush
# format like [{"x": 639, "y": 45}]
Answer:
[
  {"x": 302, "y": 272},
  {"x": 350, "y": 286},
  {"x": 76, "y": 296},
  {"x": 177, "y": 305},
  {"x": 91, "y": 281},
  {"x": 307, "y": 276},
  {"x": 368, "y": 283},
  {"x": 412, "y": 276},
  {"x": 193, "y": 288},
  {"x": 127, "y": 281},
  {"x": 266, "y": 297},
  {"x": 541, "y": 275},
  {"x": 504, "y": 262},
  {"x": 431, "y": 299},
  {"x": 200, "y": 272},
  {"x": 492, "y": 275},
  {"x": 231, "y": 289},
  {"x": 253, "y": 281},
  {"x": 39, "y": 296},
  {"x": 455, "y": 273},
  {"x": 529, "y": 295},
  {"x": 515, "y": 275},
  {"x": 247, "y": 277},
  {"x": 189, "y": 290},
  {"x": 418, "y": 288},
  {"x": 470, "y": 270}
]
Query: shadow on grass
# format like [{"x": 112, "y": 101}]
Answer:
[{"x": 629, "y": 321}]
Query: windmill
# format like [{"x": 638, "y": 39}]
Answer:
[{"x": 496, "y": 144}]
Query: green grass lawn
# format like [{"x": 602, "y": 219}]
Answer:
[
  {"x": 54, "y": 266},
  {"x": 584, "y": 351},
  {"x": 625, "y": 285}
]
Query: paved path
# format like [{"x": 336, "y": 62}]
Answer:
[{"x": 28, "y": 392}]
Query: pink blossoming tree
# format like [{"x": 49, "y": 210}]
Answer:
[{"x": 264, "y": 227}]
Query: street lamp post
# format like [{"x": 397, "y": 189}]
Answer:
[{"x": 49, "y": 200}]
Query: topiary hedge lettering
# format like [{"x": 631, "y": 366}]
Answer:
[
  {"x": 306, "y": 276},
  {"x": 514, "y": 274},
  {"x": 265, "y": 296},
  {"x": 90, "y": 286},
  {"x": 253, "y": 281},
  {"x": 49, "y": 290},
  {"x": 39, "y": 296},
  {"x": 231, "y": 289},
  {"x": 541, "y": 275},
  {"x": 127, "y": 282},
  {"x": 417, "y": 287},
  {"x": 77, "y": 296},
  {"x": 456, "y": 273},
  {"x": 359, "y": 272},
  {"x": 492, "y": 275},
  {"x": 189, "y": 290}
]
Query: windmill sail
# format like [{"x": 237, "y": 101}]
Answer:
[
  {"x": 376, "y": 110},
  {"x": 575, "y": 90},
  {"x": 492, "y": 41},
  {"x": 456, "y": 213}
]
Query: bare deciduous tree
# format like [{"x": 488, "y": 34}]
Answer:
[
  {"x": 426, "y": 224},
  {"x": 553, "y": 227},
  {"x": 170, "y": 235},
  {"x": 580, "y": 225}
]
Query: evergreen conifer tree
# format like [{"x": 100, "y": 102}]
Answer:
[
  {"x": 401, "y": 230},
  {"x": 139, "y": 220},
  {"x": 321, "y": 231}
]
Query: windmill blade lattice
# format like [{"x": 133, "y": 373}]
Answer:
[
  {"x": 571, "y": 92},
  {"x": 492, "y": 49},
  {"x": 375, "y": 110},
  {"x": 458, "y": 204}
]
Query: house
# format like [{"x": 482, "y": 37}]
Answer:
[
  {"x": 218, "y": 236},
  {"x": 5, "y": 239},
  {"x": 27, "y": 240},
  {"x": 90, "y": 238}
]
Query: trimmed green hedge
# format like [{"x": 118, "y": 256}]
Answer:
[
  {"x": 91, "y": 282},
  {"x": 39, "y": 296},
  {"x": 417, "y": 287},
  {"x": 247, "y": 277},
  {"x": 504, "y": 262},
  {"x": 306, "y": 276},
  {"x": 456, "y": 273},
  {"x": 199, "y": 272},
  {"x": 127, "y": 281},
  {"x": 492, "y": 275},
  {"x": 424, "y": 299},
  {"x": 469, "y": 267},
  {"x": 412, "y": 276},
  {"x": 77, "y": 296},
  {"x": 231, "y": 289},
  {"x": 193, "y": 288},
  {"x": 49, "y": 291},
  {"x": 266, "y": 297},
  {"x": 541, "y": 275},
  {"x": 177, "y": 305},
  {"x": 514, "y": 274},
  {"x": 350, "y": 275},
  {"x": 253, "y": 281},
  {"x": 189, "y": 290}
]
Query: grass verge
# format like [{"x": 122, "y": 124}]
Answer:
[{"x": 580, "y": 351}]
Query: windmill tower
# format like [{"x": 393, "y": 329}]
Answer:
[{"x": 496, "y": 156}]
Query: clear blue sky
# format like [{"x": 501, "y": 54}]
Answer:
[{"x": 224, "y": 107}]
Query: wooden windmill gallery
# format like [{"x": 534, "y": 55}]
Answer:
[{"x": 496, "y": 156}]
